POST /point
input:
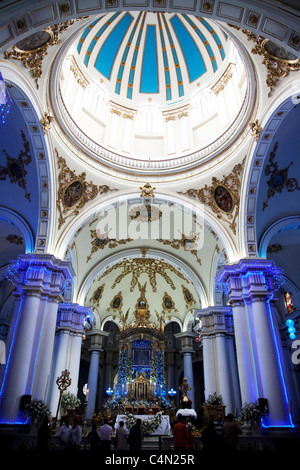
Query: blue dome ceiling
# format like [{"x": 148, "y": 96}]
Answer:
[{"x": 166, "y": 56}]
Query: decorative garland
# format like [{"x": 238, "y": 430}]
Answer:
[{"x": 148, "y": 425}]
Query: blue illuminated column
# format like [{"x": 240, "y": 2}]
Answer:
[
  {"x": 219, "y": 362},
  {"x": 251, "y": 283},
  {"x": 40, "y": 277},
  {"x": 67, "y": 351},
  {"x": 187, "y": 341},
  {"x": 95, "y": 350}
]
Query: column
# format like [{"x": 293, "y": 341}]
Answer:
[
  {"x": 96, "y": 347},
  {"x": 69, "y": 328},
  {"x": 43, "y": 367},
  {"x": 187, "y": 349},
  {"x": 61, "y": 349},
  {"x": 220, "y": 370},
  {"x": 261, "y": 346},
  {"x": 39, "y": 276}
]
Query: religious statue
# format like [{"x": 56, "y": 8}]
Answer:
[{"x": 184, "y": 388}]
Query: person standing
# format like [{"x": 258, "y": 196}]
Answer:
[
  {"x": 94, "y": 438},
  {"x": 180, "y": 433},
  {"x": 105, "y": 435},
  {"x": 136, "y": 436},
  {"x": 121, "y": 437},
  {"x": 75, "y": 435},
  {"x": 63, "y": 434},
  {"x": 231, "y": 433}
]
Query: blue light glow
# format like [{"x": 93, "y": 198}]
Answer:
[
  {"x": 278, "y": 356},
  {"x": 5, "y": 101}
]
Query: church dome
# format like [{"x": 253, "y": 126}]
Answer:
[
  {"x": 142, "y": 55},
  {"x": 174, "y": 87}
]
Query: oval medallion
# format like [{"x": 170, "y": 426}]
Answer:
[
  {"x": 223, "y": 199},
  {"x": 34, "y": 42},
  {"x": 73, "y": 194}
]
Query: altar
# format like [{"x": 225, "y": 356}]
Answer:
[{"x": 162, "y": 430}]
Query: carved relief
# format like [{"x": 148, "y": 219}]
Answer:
[
  {"x": 147, "y": 190},
  {"x": 100, "y": 241},
  {"x": 222, "y": 196},
  {"x": 278, "y": 178},
  {"x": 32, "y": 50},
  {"x": 137, "y": 267},
  {"x": 97, "y": 295},
  {"x": 74, "y": 191},
  {"x": 15, "y": 167},
  {"x": 278, "y": 61},
  {"x": 116, "y": 303},
  {"x": 188, "y": 297},
  {"x": 188, "y": 243}
]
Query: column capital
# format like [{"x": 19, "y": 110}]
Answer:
[
  {"x": 187, "y": 341},
  {"x": 40, "y": 273},
  {"x": 97, "y": 337},
  {"x": 216, "y": 320},
  {"x": 249, "y": 278},
  {"x": 71, "y": 317}
]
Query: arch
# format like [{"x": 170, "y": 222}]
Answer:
[
  {"x": 21, "y": 224},
  {"x": 188, "y": 205},
  {"x": 276, "y": 227},
  {"x": 258, "y": 153},
  {"x": 27, "y": 102},
  {"x": 136, "y": 253},
  {"x": 274, "y": 22}
]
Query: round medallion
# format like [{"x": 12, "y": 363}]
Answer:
[{"x": 223, "y": 199}]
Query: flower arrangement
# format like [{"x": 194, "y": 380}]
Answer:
[
  {"x": 69, "y": 400},
  {"x": 193, "y": 429},
  {"x": 148, "y": 425},
  {"x": 250, "y": 413},
  {"x": 37, "y": 410},
  {"x": 213, "y": 399}
]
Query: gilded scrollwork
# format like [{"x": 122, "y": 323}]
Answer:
[
  {"x": 116, "y": 303},
  {"x": 74, "y": 191},
  {"x": 15, "y": 167},
  {"x": 222, "y": 196},
  {"x": 138, "y": 266},
  {"x": 279, "y": 179},
  {"x": 278, "y": 61},
  {"x": 188, "y": 243},
  {"x": 188, "y": 296},
  {"x": 101, "y": 240},
  {"x": 33, "y": 49},
  {"x": 168, "y": 303},
  {"x": 97, "y": 295},
  {"x": 147, "y": 190}
]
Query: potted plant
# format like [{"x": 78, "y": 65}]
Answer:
[
  {"x": 37, "y": 411},
  {"x": 69, "y": 401},
  {"x": 212, "y": 407},
  {"x": 250, "y": 416}
]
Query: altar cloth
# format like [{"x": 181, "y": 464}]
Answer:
[
  {"x": 162, "y": 430},
  {"x": 187, "y": 412}
]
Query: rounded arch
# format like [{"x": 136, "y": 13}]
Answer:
[
  {"x": 271, "y": 21},
  {"x": 25, "y": 98},
  {"x": 21, "y": 224},
  {"x": 279, "y": 225},
  {"x": 187, "y": 205},
  {"x": 275, "y": 114},
  {"x": 158, "y": 254}
]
